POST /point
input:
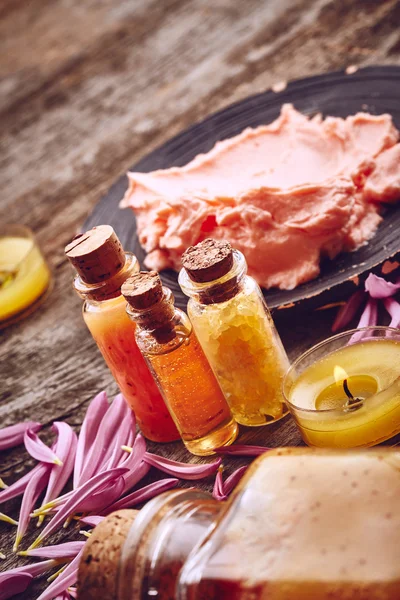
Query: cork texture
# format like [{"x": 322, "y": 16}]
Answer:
[
  {"x": 143, "y": 290},
  {"x": 96, "y": 255},
  {"x": 208, "y": 260},
  {"x": 99, "y": 566}
]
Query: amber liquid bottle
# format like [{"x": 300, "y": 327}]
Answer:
[
  {"x": 166, "y": 338},
  {"x": 102, "y": 268}
]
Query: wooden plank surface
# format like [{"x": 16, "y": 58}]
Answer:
[{"x": 86, "y": 89}]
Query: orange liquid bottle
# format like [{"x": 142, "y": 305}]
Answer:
[
  {"x": 102, "y": 268},
  {"x": 166, "y": 338}
]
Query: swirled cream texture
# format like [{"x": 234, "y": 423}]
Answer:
[{"x": 285, "y": 194}]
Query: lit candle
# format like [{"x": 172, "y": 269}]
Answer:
[
  {"x": 24, "y": 274},
  {"x": 347, "y": 395}
]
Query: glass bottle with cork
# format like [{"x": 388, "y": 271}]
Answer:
[
  {"x": 166, "y": 338},
  {"x": 281, "y": 534},
  {"x": 102, "y": 267},
  {"x": 236, "y": 331}
]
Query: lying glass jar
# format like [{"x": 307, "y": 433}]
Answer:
[{"x": 303, "y": 523}]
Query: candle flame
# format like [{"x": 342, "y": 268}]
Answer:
[{"x": 339, "y": 374}]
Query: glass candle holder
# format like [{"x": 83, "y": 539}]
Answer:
[
  {"x": 345, "y": 391},
  {"x": 24, "y": 274}
]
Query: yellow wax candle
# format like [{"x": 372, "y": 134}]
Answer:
[
  {"x": 24, "y": 275},
  {"x": 359, "y": 408}
]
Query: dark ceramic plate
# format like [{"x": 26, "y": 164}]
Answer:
[{"x": 375, "y": 89}]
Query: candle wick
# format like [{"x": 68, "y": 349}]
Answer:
[
  {"x": 351, "y": 400},
  {"x": 347, "y": 391}
]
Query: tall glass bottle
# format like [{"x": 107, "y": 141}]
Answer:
[
  {"x": 102, "y": 267},
  {"x": 165, "y": 336},
  {"x": 236, "y": 331},
  {"x": 303, "y": 524}
]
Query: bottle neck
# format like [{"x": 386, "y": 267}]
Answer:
[
  {"x": 108, "y": 288},
  {"x": 218, "y": 290},
  {"x": 157, "y": 320},
  {"x": 160, "y": 540}
]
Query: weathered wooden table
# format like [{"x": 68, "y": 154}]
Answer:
[{"x": 89, "y": 87}]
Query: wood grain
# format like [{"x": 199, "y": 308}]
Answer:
[{"x": 86, "y": 89}]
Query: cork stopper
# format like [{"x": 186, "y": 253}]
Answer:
[
  {"x": 99, "y": 565},
  {"x": 143, "y": 290},
  {"x": 97, "y": 255},
  {"x": 208, "y": 260}
]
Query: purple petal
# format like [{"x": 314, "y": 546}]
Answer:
[
  {"x": 222, "y": 489},
  {"x": 182, "y": 470},
  {"x": 348, "y": 311},
  {"x": 99, "y": 502},
  {"x": 18, "y": 488},
  {"x": 369, "y": 318},
  {"x": 138, "y": 468},
  {"x": 393, "y": 308},
  {"x": 144, "y": 494},
  {"x": 35, "y": 570},
  {"x": 93, "y": 520},
  {"x": 63, "y": 581},
  {"x": 125, "y": 435},
  {"x": 66, "y": 550},
  {"x": 380, "y": 288},
  {"x": 102, "y": 447},
  {"x": 66, "y": 449},
  {"x": 35, "y": 487},
  {"x": 77, "y": 498},
  {"x": 218, "y": 489},
  {"x": 14, "y": 435},
  {"x": 37, "y": 449},
  {"x": 233, "y": 479},
  {"x": 13, "y": 583},
  {"x": 91, "y": 423},
  {"x": 242, "y": 450}
]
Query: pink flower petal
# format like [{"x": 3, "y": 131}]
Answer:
[
  {"x": 142, "y": 495},
  {"x": 63, "y": 581},
  {"x": 19, "y": 486},
  {"x": 13, "y": 579},
  {"x": 35, "y": 487},
  {"x": 34, "y": 570},
  {"x": 348, "y": 311},
  {"x": 242, "y": 450},
  {"x": 78, "y": 497},
  {"x": 218, "y": 489},
  {"x": 222, "y": 489},
  {"x": 379, "y": 288},
  {"x": 393, "y": 308},
  {"x": 66, "y": 550},
  {"x": 13, "y": 583},
  {"x": 66, "y": 449},
  {"x": 124, "y": 436},
  {"x": 101, "y": 449},
  {"x": 93, "y": 520},
  {"x": 14, "y": 435},
  {"x": 99, "y": 502},
  {"x": 134, "y": 461},
  {"x": 369, "y": 318},
  {"x": 37, "y": 449},
  {"x": 182, "y": 470},
  {"x": 233, "y": 479},
  {"x": 73, "y": 592},
  {"x": 91, "y": 423}
]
